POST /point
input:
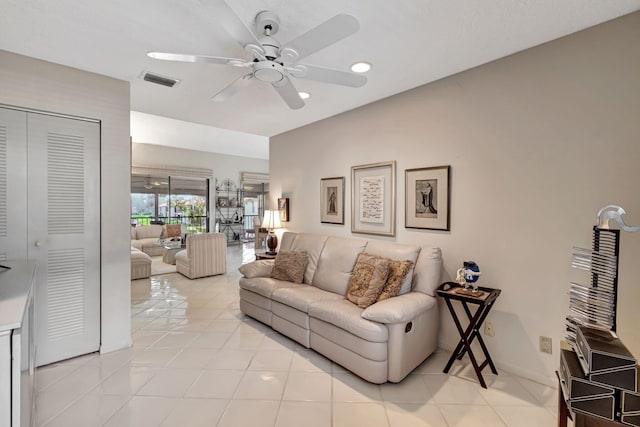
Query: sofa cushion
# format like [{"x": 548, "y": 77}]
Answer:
[
  {"x": 148, "y": 231},
  {"x": 398, "y": 252},
  {"x": 368, "y": 278},
  {"x": 260, "y": 268},
  {"x": 428, "y": 271},
  {"x": 401, "y": 309},
  {"x": 263, "y": 285},
  {"x": 287, "y": 240},
  {"x": 136, "y": 244},
  {"x": 336, "y": 263},
  {"x": 302, "y": 296},
  {"x": 347, "y": 316},
  {"x": 134, "y": 236},
  {"x": 148, "y": 242},
  {"x": 173, "y": 230},
  {"x": 290, "y": 266},
  {"x": 312, "y": 244},
  {"x": 398, "y": 271}
]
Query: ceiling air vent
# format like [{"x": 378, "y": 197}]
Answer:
[{"x": 158, "y": 79}]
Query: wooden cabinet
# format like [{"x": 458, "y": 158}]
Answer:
[{"x": 17, "y": 349}]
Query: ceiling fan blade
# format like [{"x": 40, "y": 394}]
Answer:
[
  {"x": 289, "y": 93},
  {"x": 325, "y": 34},
  {"x": 228, "y": 19},
  {"x": 238, "y": 84},
  {"x": 180, "y": 57},
  {"x": 327, "y": 75}
]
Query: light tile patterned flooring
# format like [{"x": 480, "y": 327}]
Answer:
[{"x": 197, "y": 361}]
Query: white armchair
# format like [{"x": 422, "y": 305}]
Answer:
[{"x": 206, "y": 255}]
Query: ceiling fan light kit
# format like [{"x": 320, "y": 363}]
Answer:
[
  {"x": 361, "y": 67},
  {"x": 273, "y": 63}
]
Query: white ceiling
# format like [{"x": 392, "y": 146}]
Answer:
[{"x": 409, "y": 43}]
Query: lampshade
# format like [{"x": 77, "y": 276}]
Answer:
[{"x": 271, "y": 219}]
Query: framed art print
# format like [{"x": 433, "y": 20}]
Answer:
[
  {"x": 373, "y": 199},
  {"x": 332, "y": 200},
  {"x": 427, "y": 198},
  {"x": 283, "y": 208}
]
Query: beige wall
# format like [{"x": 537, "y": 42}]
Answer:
[
  {"x": 537, "y": 143},
  {"x": 31, "y": 83}
]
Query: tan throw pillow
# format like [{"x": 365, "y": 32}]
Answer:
[
  {"x": 398, "y": 270},
  {"x": 367, "y": 280},
  {"x": 173, "y": 230},
  {"x": 290, "y": 266}
]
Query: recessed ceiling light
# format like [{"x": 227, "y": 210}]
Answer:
[
  {"x": 304, "y": 95},
  {"x": 360, "y": 67}
]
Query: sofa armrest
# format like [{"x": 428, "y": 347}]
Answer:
[
  {"x": 400, "y": 309},
  {"x": 260, "y": 268}
]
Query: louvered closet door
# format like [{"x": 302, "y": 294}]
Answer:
[
  {"x": 13, "y": 184},
  {"x": 64, "y": 234}
]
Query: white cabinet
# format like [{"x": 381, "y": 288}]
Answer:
[{"x": 17, "y": 350}]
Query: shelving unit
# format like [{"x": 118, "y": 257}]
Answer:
[{"x": 229, "y": 210}]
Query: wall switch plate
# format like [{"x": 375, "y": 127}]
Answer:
[
  {"x": 545, "y": 344},
  {"x": 489, "y": 329}
]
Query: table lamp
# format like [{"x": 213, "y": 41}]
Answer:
[{"x": 271, "y": 221}]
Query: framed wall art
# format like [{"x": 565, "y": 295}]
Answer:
[
  {"x": 427, "y": 198},
  {"x": 283, "y": 208},
  {"x": 332, "y": 200},
  {"x": 373, "y": 199}
]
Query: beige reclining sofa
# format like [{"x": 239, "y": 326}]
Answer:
[{"x": 383, "y": 342}]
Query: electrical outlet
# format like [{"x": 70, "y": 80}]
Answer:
[
  {"x": 489, "y": 329},
  {"x": 545, "y": 344}
]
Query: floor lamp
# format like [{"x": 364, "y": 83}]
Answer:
[{"x": 271, "y": 221}]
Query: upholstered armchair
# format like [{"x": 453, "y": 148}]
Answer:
[{"x": 206, "y": 255}]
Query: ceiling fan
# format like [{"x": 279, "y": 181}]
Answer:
[{"x": 275, "y": 63}]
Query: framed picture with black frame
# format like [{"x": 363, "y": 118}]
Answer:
[
  {"x": 332, "y": 200},
  {"x": 427, "y": 198}
]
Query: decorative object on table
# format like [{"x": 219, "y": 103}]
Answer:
[
  {"x": 427, "y": 198},
  {"x": 373, "y": 199},
  {"x": 283, "y": 208},
  {"x": 466, "y": 275},
  {"x": 332, "y": 200},
  {"x": 271, "y": 221}
]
